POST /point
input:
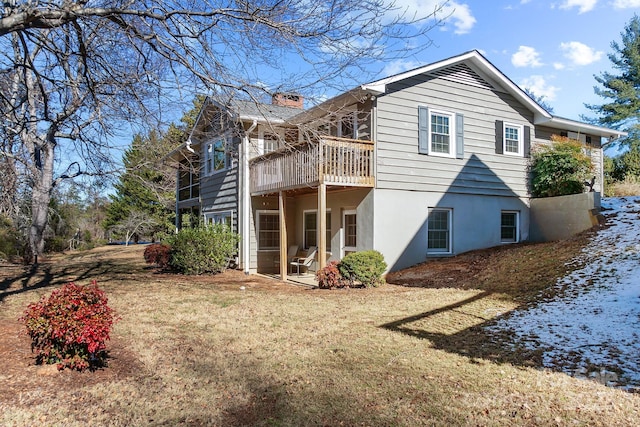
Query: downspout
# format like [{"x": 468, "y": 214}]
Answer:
[{"x": 246, "y": 198}]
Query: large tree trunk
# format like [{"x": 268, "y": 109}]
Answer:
[{"x": 40, "y": 198}]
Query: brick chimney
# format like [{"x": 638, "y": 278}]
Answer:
[{"x": 288, "y": 100}]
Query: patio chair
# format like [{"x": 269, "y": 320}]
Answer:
[
  {"x": 305, "y": 261},
  {"x": 291, "y": 254}
]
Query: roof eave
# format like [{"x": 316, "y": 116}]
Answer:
[{"x": 581, "y": 127}]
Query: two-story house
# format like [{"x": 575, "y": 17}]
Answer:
[{"x": 426, "y": 163}]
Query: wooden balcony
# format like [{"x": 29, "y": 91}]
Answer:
[{"x": 332, "y": 161}]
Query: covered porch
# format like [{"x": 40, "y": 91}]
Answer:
[{"x": 298, "y": 180}]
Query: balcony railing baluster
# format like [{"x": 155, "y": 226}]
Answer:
[{"x": 344, "y": 162}]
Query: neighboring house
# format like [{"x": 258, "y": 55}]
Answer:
[{"x": 427, "y": 163}]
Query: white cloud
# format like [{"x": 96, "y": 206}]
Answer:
[
  {"x": 537, "y": 85},
  {"x": 626, "y": 4},
  {"x": 452, "y": 12},
  {"x": 526, "y": 56},
  {"x": 579, "y": 53},
  {"x": 559, "y": 66},
  {"x": 582, "y": 5},
  {"x": 400, "y": 66}
]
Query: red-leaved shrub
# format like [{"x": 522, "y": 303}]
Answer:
[
  {"x": 70, "y": 326},
  {"x": 329, "y": 277},
  {"x": 158, "y": 254}
]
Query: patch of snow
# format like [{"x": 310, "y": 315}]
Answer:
[{"x": 593, "y": 329}]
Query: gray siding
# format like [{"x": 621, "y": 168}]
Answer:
[{"x": 480, "y": 171}]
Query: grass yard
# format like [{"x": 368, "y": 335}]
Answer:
[{"x": 202, "y": 351}]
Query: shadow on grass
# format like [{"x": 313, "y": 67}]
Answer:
[
  {"x": 49, "y": 274},
  {"x": 475, "y": 342}
]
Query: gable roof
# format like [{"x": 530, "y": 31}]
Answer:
[{"x": 474, "y": 69}]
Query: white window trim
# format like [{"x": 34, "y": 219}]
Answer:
[
  {"x": 304, "y": 227},
  {"x": 520, "y": 128},
  {"x": 452, "y": 133},
  {"x": 262, "y": 129},
  {"x": 258, "y": 214},
  {"x": 450, "y": 228},
  {"x": 343, "y": 234},
  {"x": 218, "y": 217},
  {"x": 506, "y": 242},
  {"x": 208, "y": 155}
]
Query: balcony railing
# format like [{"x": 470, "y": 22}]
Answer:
[{"x": 333, "y": 161}]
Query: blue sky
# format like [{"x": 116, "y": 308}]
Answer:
[{"x": 553, "y": 48}]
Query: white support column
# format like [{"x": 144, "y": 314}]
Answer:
[
  {"x": 322, "y": 225},
  {"x": 283, "y": 236}
]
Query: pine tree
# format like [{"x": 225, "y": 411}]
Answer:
[
  {"x": 145, "y": 186},
  {"x": 146, "y": 190},
  {"x": 622, "y": 111}
]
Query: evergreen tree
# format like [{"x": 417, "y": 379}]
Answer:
[
  {"x": 622, "y": 90},
  {"x": 145, "y": 186},
  {"x": 146, "y": 190}
]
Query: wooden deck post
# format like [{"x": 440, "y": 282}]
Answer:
[
  {"x": 322, "y": 225},
  {"x": 284, "y": 266}
]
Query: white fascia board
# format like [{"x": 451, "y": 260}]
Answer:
[
  {"x": 260, "y": 119},
  {"x": 581, "y": 127}
]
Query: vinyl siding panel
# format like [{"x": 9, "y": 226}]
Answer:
[
  {"x": 220, "y": 190},
  {"x": 480, "y": 171}
]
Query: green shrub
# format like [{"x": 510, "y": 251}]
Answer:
[
  {"x": 329, "y": 277},
  {"x": 56, "y": 244},
  {"x": 206, "y": 249},
  {"x": 559, "y": 169},
  {"x": 70, "y": 327},
  {"x": 365, "y": 267}
]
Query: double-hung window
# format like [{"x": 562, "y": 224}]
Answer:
[
  {"x": 509, "y": 226},
  {"x": 311, "y": 229},
  {"x": 440, "y": 133},
  {"x": 439, "y": 230},
  {"x": 268, "y": 230},
  {"x": 440, "y": 137},
  {"x": 349, "y": 220},
  {"x": 513, "y": 141}
]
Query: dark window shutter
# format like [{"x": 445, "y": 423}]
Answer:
[
  {"x": 459, "y": 136},
  {"x": 423, "y": 130},
  {"x": 499, "y": 126},
  {"x": 527, "y": 141}
]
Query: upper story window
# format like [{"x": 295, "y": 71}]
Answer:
[
  {"x": 513, "y": 142},
  {"x": 512, "y": 139},
  {"x": 269, "y": 142},
  {"x": 216, "y": 157},
  {"x": 270, "y": 139},
  {"x": 188, "y": 182},
  {"x": 440, "y": 133},
  {"x": 440, "y": 127}
]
